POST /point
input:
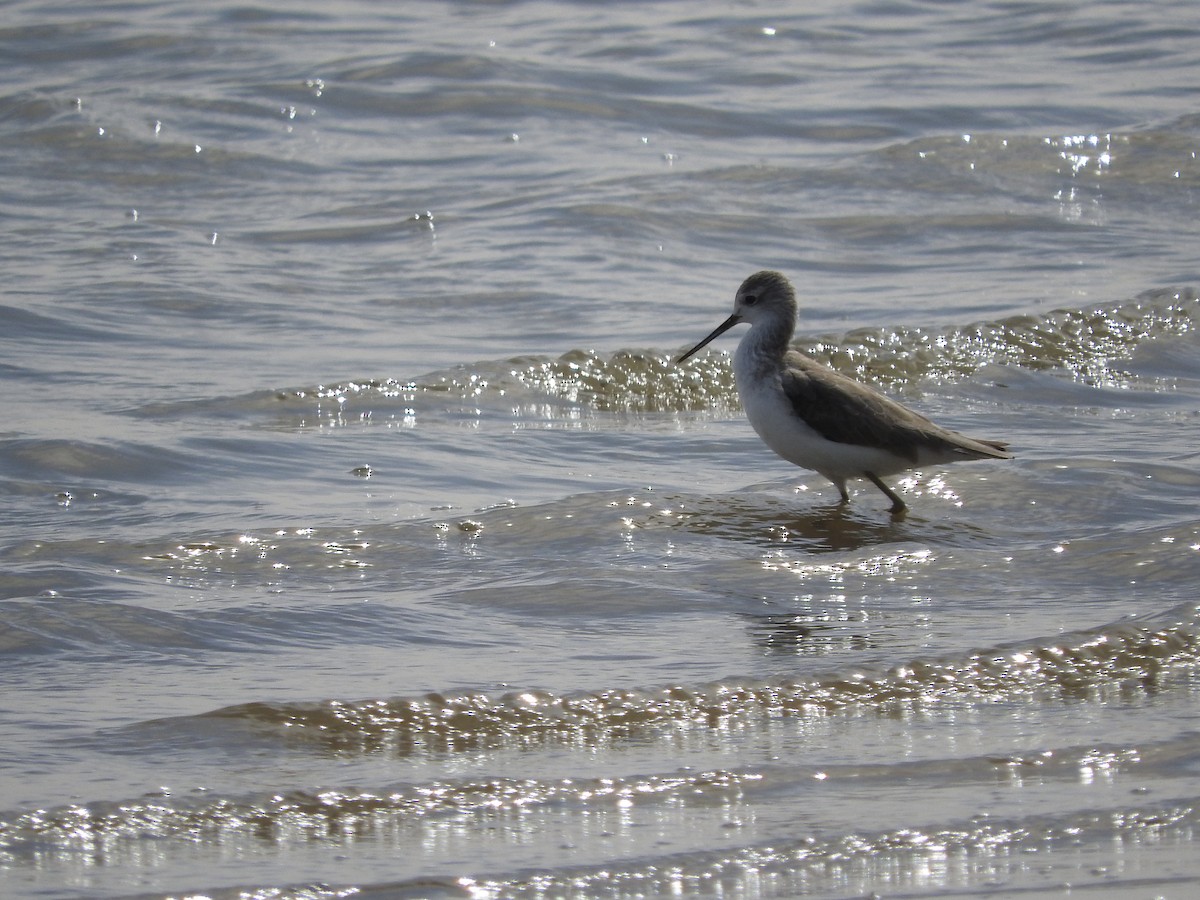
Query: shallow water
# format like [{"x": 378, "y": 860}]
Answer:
[{"x": 361, "y": 536}]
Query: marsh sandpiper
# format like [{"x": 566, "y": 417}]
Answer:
[{"x": 820, "y": 419}]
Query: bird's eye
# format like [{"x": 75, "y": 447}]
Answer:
[{"x": 750, "y": 299}]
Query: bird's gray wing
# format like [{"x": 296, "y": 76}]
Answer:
[{"x": 847, "y": 412}]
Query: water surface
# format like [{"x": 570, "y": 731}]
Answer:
[{"x": 362, "y": 537}]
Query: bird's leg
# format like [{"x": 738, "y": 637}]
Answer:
[
  {"x": 898, "y": 505},
  {"x": 841, "y": 486}
]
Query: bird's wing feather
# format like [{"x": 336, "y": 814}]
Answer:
[{"x": 847, "y": 412}]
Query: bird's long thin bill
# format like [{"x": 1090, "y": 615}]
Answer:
[{"x": 717, "y": 332}]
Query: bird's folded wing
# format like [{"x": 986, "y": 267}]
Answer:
[{"x": 847, "y": 412}]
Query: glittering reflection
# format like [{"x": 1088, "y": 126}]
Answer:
[
  {"x": 344, "y": 815},
  {"x": 906, "y": 859},
  {"x": 1081, "y": 151},
  {"x": 1085, "y": 850},
  {"x": 711, "y": 807}
]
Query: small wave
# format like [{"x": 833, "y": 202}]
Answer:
[
  {"x": 22, "y": 325},
  {"x": 1075, "y": 666},
  {"x": 119, "y": 461},
  {"x": 1083, "y": 342},
  {"x": 1087, "y": 344},
  {"x": 103, "y": 627}
]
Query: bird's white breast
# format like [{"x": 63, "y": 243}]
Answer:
[{"x": 774, "y": 418}]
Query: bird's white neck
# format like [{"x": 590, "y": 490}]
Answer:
[{"x": 761, "y": 351}]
